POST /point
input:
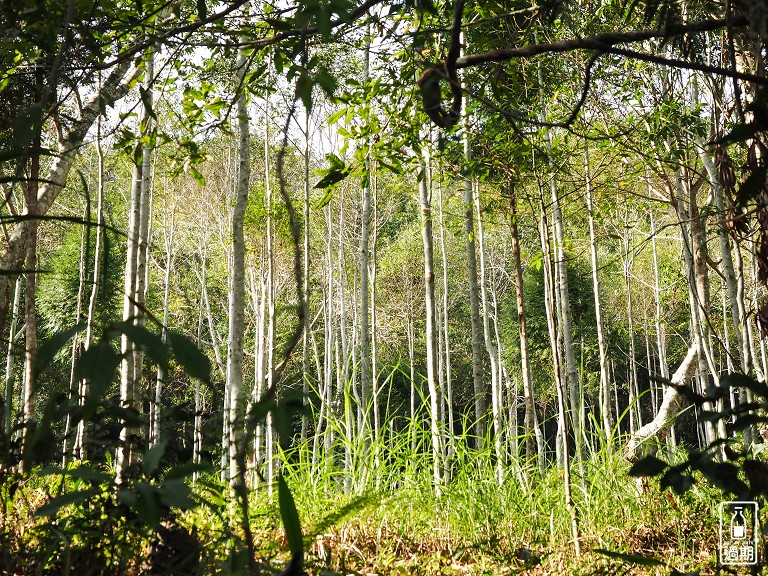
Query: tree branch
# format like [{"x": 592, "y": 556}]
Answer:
[{"x": 601, "y": 42}]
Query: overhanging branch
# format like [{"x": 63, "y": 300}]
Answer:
[{"x": 600, "y": 42}]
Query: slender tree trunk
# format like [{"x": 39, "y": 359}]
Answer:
[
  {"x": 112, "y": 89},
  {"x": 563, "y": 302},
  {"x": 142, "y": 255},
  {"x": 562, "y": 420},
  {"x": 156, "y": 406},
  {"x": 80, "y": 445},
  {"x": 271, "y": 316},
  {"x": 126, "y": 455},
  {"x": 446, "y": 338},
  {"x": 508, "y": 432},
  {"x": 30, "y": 287},
  {"x": 634, "y": 402},
  {"x": 411, "y": 336},
  {"x": 478, "y": 384},
  {"x": 648, "y": 439},
  {"x": 70, "y": 436},
  {"x": 328, "y": 338},
  {"x": 10, "y": 361},
  {"x": 237, "y": 291},
  {"x": 365, "y": 338},
  {"x": 491, "y": 350},
  {"x": 532, "y": 430},
  {"x": 561, "y": 442},
  {"x": 425, "y": 202},
  {"x": 374, "y": 319},
  {"x": 343, "y": 385},
  {"x": 661, "y": 345},
  {"x": 692, "y": 227},
  {"x": 306, "y": 336},
  {"x": 605, "y": 386},
  {"x": 214, "y": 334},
  {"x": 258, "y": 299},
  {"x": 197, "y": 432}
]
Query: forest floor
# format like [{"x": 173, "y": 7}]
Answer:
[
  {"x": 476, "y": 526},
  {"x": 395, "y": 524}
]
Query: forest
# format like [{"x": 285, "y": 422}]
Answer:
[{"x": 354, "y": 287}]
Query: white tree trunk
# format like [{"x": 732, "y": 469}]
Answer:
[
  {"x": 237, "y": 291},
  {"x": 114, "y": 87},
  {"x": 564, "y": 458},
  {"x": 425, "y": 204},
  {"x": 605, "y": 387},
  {"x": 156, "y": 406},
  {"x": 646, "y": 440},
  {"x": 491, "y": 350},
  {"x": 10, "y": 361},
  {"x": 126, "y": 454},
  {"x": 365, "y": 338},
  {"x": 70, "y": 435},
  {"x": 446, "y": 338},
  {"x": 532, "y": 431},
  {"x": 478, "y": 383},
  {"x": 80, "y": 446}
]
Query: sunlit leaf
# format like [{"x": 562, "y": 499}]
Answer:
[{"x": 52, "y": 508}]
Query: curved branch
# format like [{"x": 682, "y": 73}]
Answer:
[
  {"x": 429, "y": 82},
  {"x": 599, "y": 42}
]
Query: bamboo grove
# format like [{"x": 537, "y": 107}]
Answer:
[{"x": 429, "y": 228}]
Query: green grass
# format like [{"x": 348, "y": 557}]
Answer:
[
  {"x": 392, "y": 517},
  {"x": 384, "y": 515}
]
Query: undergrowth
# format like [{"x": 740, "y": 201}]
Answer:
[{"x": 395, "y": 522}]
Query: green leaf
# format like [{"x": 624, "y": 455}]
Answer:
[
  {"x": 202, "y": 10},
  {"x": 648, "y": 466},
  {"x": 151, "y": 343},
  {"x": 333, "y": 118},
  {"x": 742, "y": 381},
  {"x": 327, "y": 81},
  {"x": 176, "y": 493},
  {"x": 128, "y": 498},
  {"x": 97, "y": 365},
  {"x": 290, "y": 517},
  {"x": 148, "y": 503},
  {"x": 631, "y": 558},
  {"x": 278, "y": 24},
  {"x": 26, "y": 125},
  {"x": 752, "y": 186},
  {"x": 50, "y": 347},
  {"x": 146, "y": 100},
  {"x": 304, "y": 86},
  {"x": 740, "y": 133},
  {"x": 199, "y": 178},
  {"x": 258, "y": 410},
  {"x": 325, "y": 199},
  {"x": 186, "y": 470},
  {"x": 189, "y": 356},
  {"x": 331, "y": 177},
  {"x": 152, "y": 457},
  {"x": 53, "y": 507},
  {"x": 747, "y": 420}
]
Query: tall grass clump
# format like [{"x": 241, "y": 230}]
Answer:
[{"x": 373, "y": 499}]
